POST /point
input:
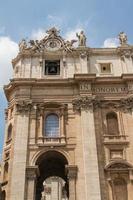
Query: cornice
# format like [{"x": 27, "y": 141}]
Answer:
[
  {"x": 94, "y": 79},
  {"x": 77, "y": 78}
]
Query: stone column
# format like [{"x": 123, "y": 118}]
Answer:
[
  {"x": 20, "y": 141},
  {"x": 72, "y": 174},
  {"x": 84, "y": 104},
  {"x": 31, "y": 174}
]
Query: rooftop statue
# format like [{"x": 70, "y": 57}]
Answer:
[
  {"x": 22, "y": 45},
  {"x": 81, "y": 38},
  {"x": 123, "y": 38}
]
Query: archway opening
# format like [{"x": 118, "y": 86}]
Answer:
[{"x": 52, "y": 182}]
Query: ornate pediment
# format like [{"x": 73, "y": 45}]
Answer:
[
  {"x": 51, "y": 42},
  {"x": 119, "y": 165}
]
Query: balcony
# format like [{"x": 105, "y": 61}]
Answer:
[
  {"x": 116, "y": 139},
  {"x": 52, "y": 141}
]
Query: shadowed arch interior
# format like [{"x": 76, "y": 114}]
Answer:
[{"x": 50, "y": 164}]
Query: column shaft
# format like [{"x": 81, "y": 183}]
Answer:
[{"x": 92, "y": 183}]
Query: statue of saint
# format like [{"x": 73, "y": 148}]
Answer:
[
  {"x": 81, "y": 38},
  {"x": 22, "y": 45},
  {"x": 123, "y": 38}
]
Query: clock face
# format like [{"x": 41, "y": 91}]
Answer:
[{"x": 52, "y": 45}]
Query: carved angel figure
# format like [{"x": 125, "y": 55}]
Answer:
[
  {"x": 22, "y": 45},
  {"x": 34, "y": 44},
  {"x": 69, "y": 45},
  {"x": 81, "y": 38},
  {"x": 123, "y": 38}
]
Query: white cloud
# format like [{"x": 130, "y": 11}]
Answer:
[
  {"x": 110, "y": 43},
  {"x": 8, "y": 50},
  {"x": 71, "y": 34},
  {"x": 38, "y": 34},
  {"x": 51, "y": 21}
]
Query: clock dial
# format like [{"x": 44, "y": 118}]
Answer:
[{"x": 52, "y": 45}]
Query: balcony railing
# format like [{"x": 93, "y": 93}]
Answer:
[
  {"x": 52, "y": 133},
  {"x": 115, "y": 139},
  {"x": 52, "y": 140}
]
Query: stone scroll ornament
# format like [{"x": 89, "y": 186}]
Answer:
[{"x": 51, "y": 42}]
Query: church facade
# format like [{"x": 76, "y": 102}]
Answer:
[{"x": 69, "y": 121}]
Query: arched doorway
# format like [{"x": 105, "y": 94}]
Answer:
[{"x": 52, "y": 179}]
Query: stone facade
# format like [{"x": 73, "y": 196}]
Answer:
[{"x": 70, "y": 115}]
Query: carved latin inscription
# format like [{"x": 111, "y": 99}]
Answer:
[
  {"x": 86, "y": 87},
  {"x": 110, "y": 89}
]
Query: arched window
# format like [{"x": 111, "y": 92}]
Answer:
[
  {"x": 52, "y": 126},
  {"x": 9, "y": 133},
  {"x": 6, "y": 166},
  {"x": 120, "y": 189},
  {"x": 112, "y": 123}
]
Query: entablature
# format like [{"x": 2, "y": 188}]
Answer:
[{"x": 111, "y": 88}]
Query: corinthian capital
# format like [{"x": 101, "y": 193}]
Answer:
[
  {"x": 82, "y": 103},
  {"x": 23, "y": 105}
]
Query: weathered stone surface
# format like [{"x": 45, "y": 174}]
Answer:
[{"x": 95, "y": 162}]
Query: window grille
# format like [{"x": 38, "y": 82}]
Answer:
[{"x": 52, "y": 126}]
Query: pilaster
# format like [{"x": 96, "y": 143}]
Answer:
[
  {"x": 31, "y": 175},
  {"x": 72, "y": 175},
  {"x": 84, "y": 104},
  {"x": 17, "y": 188}
]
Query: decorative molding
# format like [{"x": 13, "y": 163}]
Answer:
[
  {"x": 119, "y": 169},
  {"x": 87, "y": 102},
  {"x": 24, "y": 105},
  {"x": 82, "y": 103},
  {"x": 124, "y": 104},
  {"x": 62, "y": 108},
  {"x": 32, "y": 172},
  {"x": 71, "y": 171}
]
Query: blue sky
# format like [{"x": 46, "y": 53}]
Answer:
[{"x": 101, "y": 20}]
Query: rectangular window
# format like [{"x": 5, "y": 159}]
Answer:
[
  {"x": 116, "y": 154},
  {"x": 105, "y": 68},
  {"x": 52, "y": 67}
]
